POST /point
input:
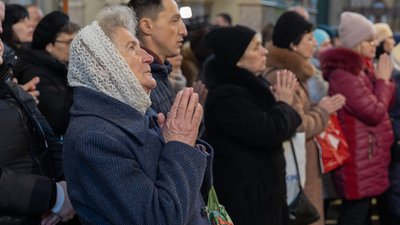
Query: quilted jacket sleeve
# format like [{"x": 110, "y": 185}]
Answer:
[
  {"x": 366, "y": 101},
  {"x": 25, "y": 194}
]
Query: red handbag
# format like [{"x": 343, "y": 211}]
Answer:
[{"x": 332, "y": 145}]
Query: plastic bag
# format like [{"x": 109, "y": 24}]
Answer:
[
  {"x": 216, "y": 212},
  {"x": 332, "y": 146}
]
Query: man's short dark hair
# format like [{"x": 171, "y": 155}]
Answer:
[
  {"x": 146, "y": 8},
  {"x": 226, "y": 17}
]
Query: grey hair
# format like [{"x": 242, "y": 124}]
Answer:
[{"x": 117, "y": 16}]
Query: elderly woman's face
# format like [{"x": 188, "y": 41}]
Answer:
[
  {"x": 254, "y": 59},
  {"x": 137, "y": 58},
  {"x": 367, "y": 48}
]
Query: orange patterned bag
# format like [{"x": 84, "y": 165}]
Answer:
[{"x": 332, "y": 145}]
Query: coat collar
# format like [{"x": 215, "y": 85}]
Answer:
[
  {"x": 341, "y": 58},
  {"x": 88, "y": 102},
  {"x": 160, "y": 71},
  {"x": 219, "y": 73},
  {"x": 282, "y": 58},
  {"x": 43, "y": 59}
]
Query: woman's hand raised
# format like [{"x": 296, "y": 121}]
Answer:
[
  {"x": 285, "y": 86},
  {"x": 332, "y": 103},
  {"x": 384, "y": 68},
  {"x": 183, "y": 121}
]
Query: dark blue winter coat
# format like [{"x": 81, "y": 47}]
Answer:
[{"x": 120, "y": 171}]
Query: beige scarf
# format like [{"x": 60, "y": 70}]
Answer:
[{"x": 95, "y": 63}]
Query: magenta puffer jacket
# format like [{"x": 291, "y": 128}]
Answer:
[{"x": 365, "y": 122}]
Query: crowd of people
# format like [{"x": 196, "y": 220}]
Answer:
[{"x": 132, "y": 119}]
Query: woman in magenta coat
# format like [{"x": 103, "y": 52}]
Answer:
[{"x": 364, "y": 119}]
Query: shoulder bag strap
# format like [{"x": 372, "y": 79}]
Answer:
[{"x": 297, "y": 166}]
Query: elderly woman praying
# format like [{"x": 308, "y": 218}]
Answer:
[{"x": 126, "y": 165}]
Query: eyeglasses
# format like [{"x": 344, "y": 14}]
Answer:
[
  {"x": 371, "y": 41},
  {"x": 64, "y": 42}
]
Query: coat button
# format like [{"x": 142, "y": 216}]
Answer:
[{"x": 204, "y": 212}]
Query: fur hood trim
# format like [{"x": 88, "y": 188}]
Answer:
[
  {"x": 282, "y": 58},
  {"x": 341, "y": 58}
]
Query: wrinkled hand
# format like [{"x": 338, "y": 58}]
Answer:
[
  {"x": 183, "y": 121},
  {"x": 384, "y": 68},
  {"x": 332, "y": 103},
  {"x": 285, "y": 86},
  {"x": 201, "y": 90},
  {"x": 30, "y": 87}
]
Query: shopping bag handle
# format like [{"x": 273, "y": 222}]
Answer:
[{"x": 297, "y": 166}]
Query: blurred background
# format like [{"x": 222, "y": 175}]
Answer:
[{"x": 253, "y": 13}]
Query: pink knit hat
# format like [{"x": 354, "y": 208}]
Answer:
[{"x": 354, "y": 28}]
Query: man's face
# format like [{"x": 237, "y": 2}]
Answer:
[{"x": 168, "y": 31}]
